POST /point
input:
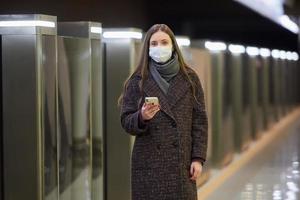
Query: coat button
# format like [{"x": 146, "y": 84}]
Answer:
[
  {"x": 173, "y": 124},
  {"x": 156, "y": 127},
  {"x": 158, "y": 146},
  {"x": 175, "y": 144}
]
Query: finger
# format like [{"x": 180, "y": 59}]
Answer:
[
  {"x": 149, "y": 107},
  {"x": 196, "y": 174},
  {"x": 144, "y": 106},
  {"x": 192, "y": 178},
  {"x": 152, "y": 110},
  {"x": 150, "y": 113},
  {"x": 156, "y": 111},
  {"x": 156, "y": 108},
  {"x": 153, "y": 113},
  {"x": 200, "y": 171},
  {"x": 192, "y": 170}
]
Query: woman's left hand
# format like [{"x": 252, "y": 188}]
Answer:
[{"x": 196, "y": 169}]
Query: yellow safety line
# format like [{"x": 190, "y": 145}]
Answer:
[{"x": 268, "y": 137}]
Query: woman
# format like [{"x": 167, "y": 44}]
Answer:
[{"x": 171, "y": 138}]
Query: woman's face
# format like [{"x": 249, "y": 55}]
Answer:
[{"x": 160, "y": 38}]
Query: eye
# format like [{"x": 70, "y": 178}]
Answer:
[
  {"x": 165, "y": 42},
  {"x": 153, "y": 43}
]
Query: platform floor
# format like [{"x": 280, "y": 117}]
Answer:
[{"x": 271, "y": 174}]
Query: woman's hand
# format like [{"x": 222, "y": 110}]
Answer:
[
  {"x": 196, "y": 169},
  {"x": 148, "y": 111}
]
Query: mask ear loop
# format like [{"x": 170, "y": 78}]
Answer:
[{"x": 173, "y": 51}]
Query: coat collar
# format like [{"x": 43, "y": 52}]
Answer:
[{"x": 177, "y": 89}]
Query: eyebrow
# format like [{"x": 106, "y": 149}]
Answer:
[{"x": 160, "y": 40}]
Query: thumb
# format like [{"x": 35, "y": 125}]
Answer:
[
  {"x": 192, "y": 170},
  {"x": 143, "y": 107}
]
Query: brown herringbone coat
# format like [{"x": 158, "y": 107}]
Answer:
[{"x": 164, "y": 148}]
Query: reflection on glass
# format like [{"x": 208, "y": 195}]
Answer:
[
  {"x": 49, "y": 115},
  {"x": 226, "y": 108},
  {"x": 280, "y": 180},
  {"x": 97, "y": 193},
  {"x": 260, "y": 84},
  {"x": 97, "y": 121},
  {"x": 74, "y": 118}
]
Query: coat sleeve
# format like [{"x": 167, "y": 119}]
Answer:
[
  {"x": 131, "y": 119},
  {"x": 199, "y": 123}
]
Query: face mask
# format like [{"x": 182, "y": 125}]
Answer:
[{"x": 160, "y": 54}]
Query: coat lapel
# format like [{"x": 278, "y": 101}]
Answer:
[
  {"x": 178, "y": 87},
  {"x": 152, "y": 89}
]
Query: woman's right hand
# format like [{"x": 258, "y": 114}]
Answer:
[{"x": 148, "y": 111}]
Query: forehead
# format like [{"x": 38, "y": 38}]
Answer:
[{"x": 160, "y": 35}]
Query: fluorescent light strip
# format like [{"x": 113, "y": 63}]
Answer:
[
  {"x": 123, "y": 34},
  {"x": 215, "y": 46},
  {"x": 29, "y": 23},
  {"x": 295, "y": 56},
  {"x": 288, "y": 23},
  {"x": 236, "y": 49},
  {"x": 275, "y": 53},
  {"x": 97, "y": 30},
  {"x": 264, "y": 52},
  {"x": 183, "y": 41},
  {"x": 282, "y": 54},
  {"x": 289, "y": 55},
  {"x": 252, "y": 51}
]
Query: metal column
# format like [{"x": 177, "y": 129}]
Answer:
[
  {"x": 80, "y": 111},
  {"x": 28, "y": 94},
  {"x": 120, "y": 61}
]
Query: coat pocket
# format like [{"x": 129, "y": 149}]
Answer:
[{"x": 143, "y": 153}]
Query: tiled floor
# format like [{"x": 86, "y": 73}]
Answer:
[{"x": 272, "y": 175}]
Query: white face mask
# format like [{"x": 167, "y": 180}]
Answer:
[{"x": 160, "y": 54}]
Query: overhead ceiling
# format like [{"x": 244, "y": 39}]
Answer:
[
  {"x": 214, "y": 19},
  {"x": 221, "y": 20}
]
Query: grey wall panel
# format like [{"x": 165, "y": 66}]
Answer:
[
  {"x": 246, "y": 99},
  {"x": 222, "y": 110},
  {"x": 1, "y": 125},
  {"x": 275, "y": 95},
  {"x": 226, "y": 149},
  {"x": 236, "y": 97},
  {"x": 117, "y": 155},
  {"x": 74, "y": 64},
  {"x": 259, "y": 108},
  {"x": 282, "y": 82},
  {"x": 97, "y": 121},
  {"x": 272, "y": 89},
  {"x": 265, "y": 93},
  {"x": 64, "y": 118},
  {"x": 240, "y": 101},
  {"x": 251, "y": 65},
  {"x": 20, "y": 117},
  {"x": 200, "y": 60},
  {"x": 48, "y": 96}
]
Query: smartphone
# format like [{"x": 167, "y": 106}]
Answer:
[{"x": 151, "y": 100}]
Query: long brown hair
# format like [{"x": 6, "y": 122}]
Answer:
[{"x": 142, "y": 67}]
